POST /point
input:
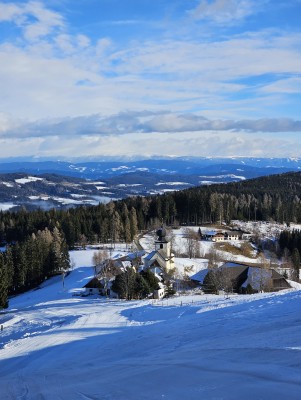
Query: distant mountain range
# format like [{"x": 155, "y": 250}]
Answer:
[{"x": 48, "y": 184}]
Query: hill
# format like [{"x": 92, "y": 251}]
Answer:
[
  {"x": 120, "y": 179},
  {"x": 58, "y": 346}
]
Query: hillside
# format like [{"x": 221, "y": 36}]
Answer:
[
  {"x": 67, "y": 181},
  {"x": 58, "y": 346}
]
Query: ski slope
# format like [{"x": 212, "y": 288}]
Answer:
[{"x": 57, "y": 346}]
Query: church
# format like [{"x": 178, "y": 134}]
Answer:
[{"x": 161, "y": 259}]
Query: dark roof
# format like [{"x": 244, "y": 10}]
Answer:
[
  {"x": 93, "y": 284},
  {"x": 239, "y": 274},
  {"x": 161, "y": 233}
]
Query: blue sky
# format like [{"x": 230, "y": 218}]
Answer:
[{"x": 139, "y": 77}]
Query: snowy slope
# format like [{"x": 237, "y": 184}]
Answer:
[{"x": 58, "y": 346}]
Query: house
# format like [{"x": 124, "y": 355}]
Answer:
[
  {"x": 123, "y": 261},
  {"x": 218, "y": 237},
  {"x": 159, "y": 293},
  {"x": 246, "y": 235},
  {"x": 242, "y": 278},
  {"x": 94, "y": 286},
  {"x": 208, "y": 235},
  {"x": 233, "y": 235}
]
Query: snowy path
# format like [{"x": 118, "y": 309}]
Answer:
[{"x": 57, "y": 346}]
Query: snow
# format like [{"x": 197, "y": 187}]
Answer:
[
  {"x": 171, "y": 183},
  {"x": 28, "y": 179},
  {"x": 124, "y": 185},
  {"x": 55, "y": 345},
  {"x": 95, "y": 183},
  {"x": 7, "y": 184},
  {"x": 224, "y": 176},
  {"x": 121, "y": 168},
  {"x": 6, "y": 206}
]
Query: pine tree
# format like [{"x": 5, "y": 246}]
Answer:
[
  {"x": 151, "y": 279},
  {"x": 3, "y": 283},
  {"x": 59, "y": 252},
  {"x": 133, "y": 223},
  {"x": 296, "y": 263},
  {"x": 124, "y": 284},
  {"x": 20, "y": 263},
  {"x": 141, "y": 287}
]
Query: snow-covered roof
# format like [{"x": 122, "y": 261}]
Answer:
[
  {"x": 150, "y": 255},
  {"x": 210, "y": 233},
  {"x": 200, "y": 276},
  {"x": 136, "y": 254},
  {"x": 230, "y": 264}
]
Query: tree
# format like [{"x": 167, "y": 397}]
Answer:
[
  {"x": 124, "y": 284},
  {"x": 20, "y": 263},
  {"x": 59, "y": 252},
  {"x": 192, "y": 243},
  {"x": 296, "y": 264},
  {"x": 261, "y": 277},
  {"x": 131, "y": 285},
  {"x": 141, "y": 287},
  {"x": 213, "y": 258},
  {"x": 151, "y": 279},
  {"x": 3, "y": 284},
  {"x": 219, "y": 279},
  {"x": 98, "y": 259},
  {"x": 104, "y": 268}
]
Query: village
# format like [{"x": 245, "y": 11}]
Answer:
[{"x": 207, "y": 259}]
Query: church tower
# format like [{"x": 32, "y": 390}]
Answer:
[
  {"x": 162, "y": 244},
  {"x": 161, "y": 258}
]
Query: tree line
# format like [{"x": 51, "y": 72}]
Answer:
[{"x": 26, "y": 264}]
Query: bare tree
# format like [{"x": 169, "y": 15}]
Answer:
[
  {"x": 98, "y": 259},
  {"x": 261, "y": 277},
  {"x": 192, "y": 243},
  {"x": 104, "y": 268},
  {"x": 213, "y": 258},
  {"x": 220, "y": 279}
]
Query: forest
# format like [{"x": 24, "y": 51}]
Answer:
[{"x": 38, "y": 241}]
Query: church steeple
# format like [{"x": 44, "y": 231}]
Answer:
[{"x": 162, "y": 243}]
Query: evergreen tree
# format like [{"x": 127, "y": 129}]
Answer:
[
  {"x": 59, "y": 252},
  {"x": 296, "y": 263},
  {"x": 133, "y": 223},
  {"x": 151, "y": 279},
  {"x": 124, "y": 284},
  {"x": 141, "y": 287},
  {"x": 20, "y": 263},
  {"x": 3, "y": 283}
]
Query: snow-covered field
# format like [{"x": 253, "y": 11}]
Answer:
[{"x": 56, "y": 346}]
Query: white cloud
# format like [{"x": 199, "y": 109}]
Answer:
[
  {"x": 33, "y": 18},
  {"x": 9, "y": 12},
  {"x": 223, "y": 11},
  {"x": 160, "y": 144},
  {"x": 141, "y": 124}
]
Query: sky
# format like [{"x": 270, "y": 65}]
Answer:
[{"x": 128, "y": 78}]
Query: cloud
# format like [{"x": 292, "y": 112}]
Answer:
[
  {"x": 223, "y": 11},
  {"x": 33, "y": 18},
  {"x": 142, "y": 123},
  {"x": 199, "y": 144},
  {"x": 62, "y": 89}
]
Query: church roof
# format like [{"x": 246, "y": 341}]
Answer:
[
  {"x": 161, "y": 233},
  {"x": 150, "y": 255}
]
